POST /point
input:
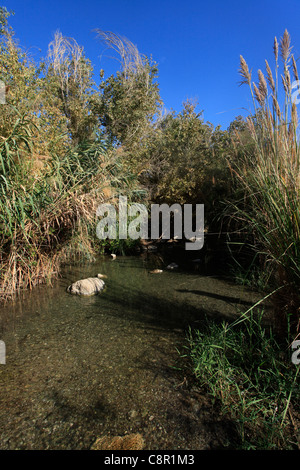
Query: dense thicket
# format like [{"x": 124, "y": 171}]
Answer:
[{"x": 68, "y": 143}]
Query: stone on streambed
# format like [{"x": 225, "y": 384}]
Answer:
[
  {"x": 172, "y": 266},
  {"x": 89, "y": 286},
  {"x": 101, "y": 276},
  {"x": 129, "y": 442}
]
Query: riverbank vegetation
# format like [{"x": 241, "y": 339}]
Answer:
[
  {"x": 251, "y": 377},
  {"x": 56, "y": 167},
  {"x": 244, "y": 364},
  {"x": 68, "y": 144}
]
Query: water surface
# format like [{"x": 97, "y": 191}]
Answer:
[{"x": 78, "y": 368}]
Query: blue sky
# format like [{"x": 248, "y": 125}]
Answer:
[{"x": 196, "y": 44}]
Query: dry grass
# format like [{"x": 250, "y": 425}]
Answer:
[{"x": 129, "y": 56}]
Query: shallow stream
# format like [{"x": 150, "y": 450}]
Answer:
[{"x": 80, "y": 368}]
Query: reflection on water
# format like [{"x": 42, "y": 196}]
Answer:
[{"x": 78, "y": 368}]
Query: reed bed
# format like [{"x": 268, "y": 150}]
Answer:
[
  {"x": 48, "y": 216},
  {"x": 246, "y": 365},
  {"x": 269, "y": 177}
]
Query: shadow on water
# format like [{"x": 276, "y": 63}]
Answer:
[
  {"x": 225, "y": 298},
  {"x": 155, "y": 311},
  {"x": 79, "y": 368}
]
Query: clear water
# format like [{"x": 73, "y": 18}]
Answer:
[{"x": 78, "y": 368}]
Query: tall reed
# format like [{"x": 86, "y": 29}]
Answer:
[{"x": 270, "y": 178}]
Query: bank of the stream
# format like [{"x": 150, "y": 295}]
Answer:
[{"x": 81, "y": 368}]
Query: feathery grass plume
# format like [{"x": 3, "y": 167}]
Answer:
[
  {"x": 295, "y": 70},
  {"x": 244, "y": 72},
  {"x": 263, "y": 88},
  {"x": 287, "y": 77},
  {"x": 130, "y": 58},
  {"x": 270, "y": 77},
  {"x": 276, "y": 107},
  {"x": 284, "y": 83},
  {"x": 275, "y": 49},
  {"x": 251, "y": 127},
  {"x": 285, "y": 46},
  {"x": 64, "y": 50},
  {"x": 258, "y": 94},
  {"x": 294, "y": 115}
]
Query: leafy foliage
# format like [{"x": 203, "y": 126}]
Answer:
[{"x": 187, "y": 160}]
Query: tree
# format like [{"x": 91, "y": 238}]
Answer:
[
  {"x": 187, "y": 159},
  {"x": 70, "y": 87},
  {"x": 4, "y": 15},
  {"x": 130, "y": 100}
]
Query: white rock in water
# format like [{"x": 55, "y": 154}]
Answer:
[
  {"x": 172, "y": 266},
  {"x": 152, "y": 248},
  {"x": 89, "y": 286}
]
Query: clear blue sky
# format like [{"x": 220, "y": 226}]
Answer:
[{"x": 196, "y": 43}]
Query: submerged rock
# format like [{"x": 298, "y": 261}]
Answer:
[
  {"x": 101, "y": 276},
  {"x": 172, "y": 266},
  {"x": 89, "y": 286},
  {"x": 152, "y": 248}
]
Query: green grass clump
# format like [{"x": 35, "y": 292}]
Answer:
[{"x": 252, "y": 376}]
